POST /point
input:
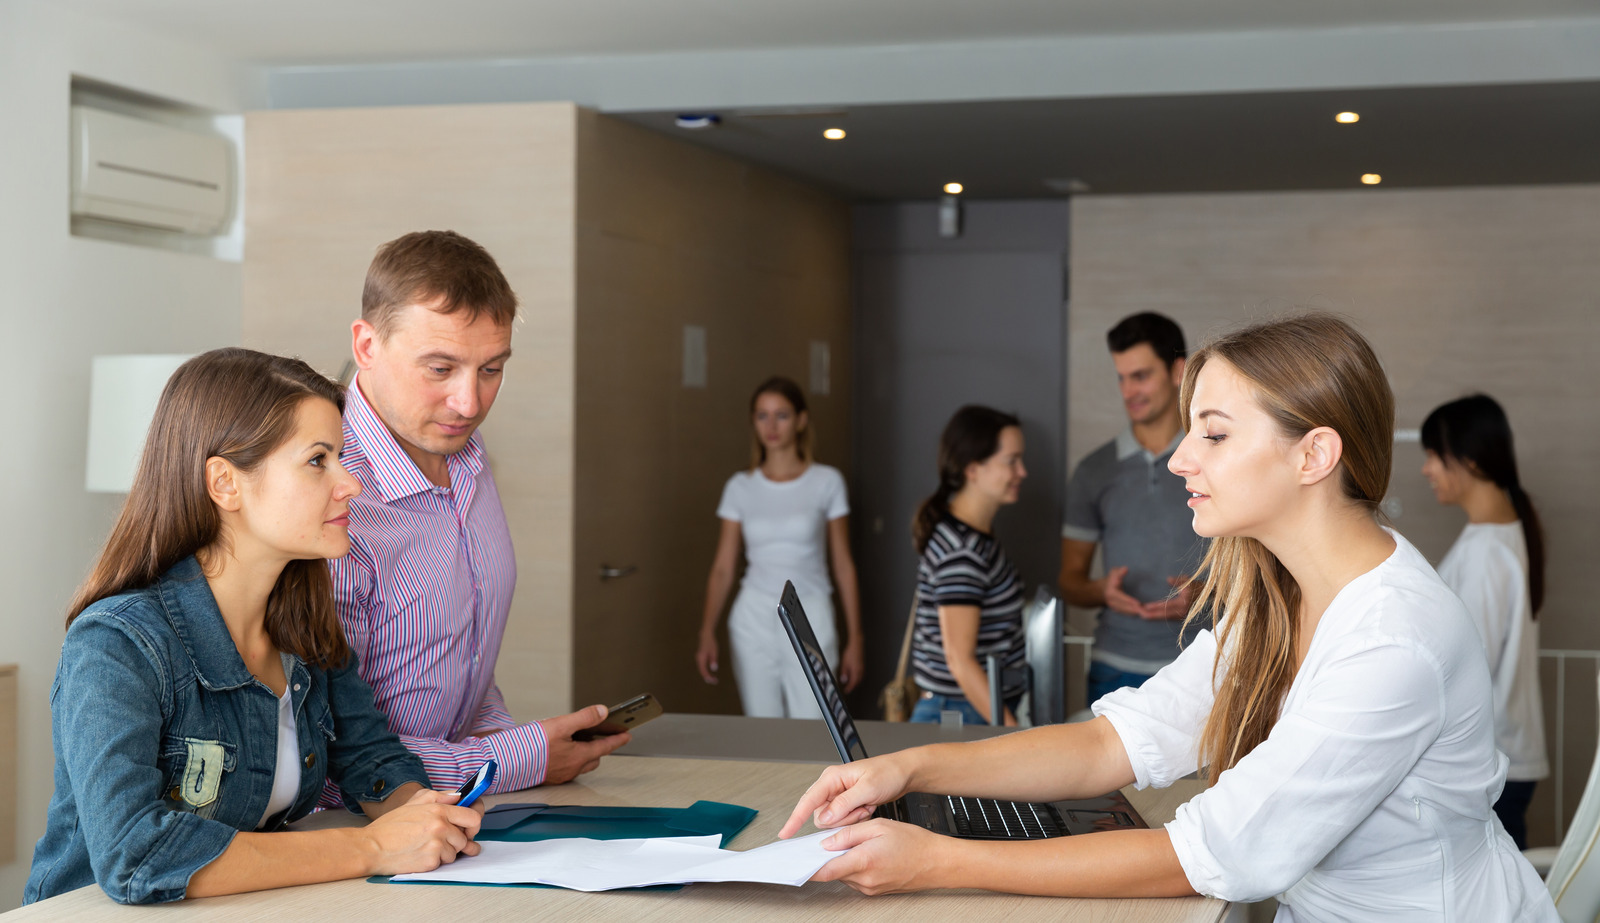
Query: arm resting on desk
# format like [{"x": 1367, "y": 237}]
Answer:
[{"x": 415, "y": 831}]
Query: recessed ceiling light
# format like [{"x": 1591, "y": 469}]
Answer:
[
  {"x": 833, "y": 134},
  {"x": 1347, "y": 118},
  {"x": 952, "y": 188},
  {"x": 696, "y": 121},
  {"x": 1371, "y": 179}
]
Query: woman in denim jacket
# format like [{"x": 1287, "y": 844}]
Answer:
[{"x": 205, "y": 690}]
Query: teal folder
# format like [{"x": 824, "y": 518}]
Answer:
[{"x": 524, "y": 823}]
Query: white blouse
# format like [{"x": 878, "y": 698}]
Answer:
[
  {"x": 1488, "y": 568},
  {"x": 1370, "y": 799}
]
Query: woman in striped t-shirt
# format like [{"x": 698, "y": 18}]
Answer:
[{"x": 969, "y": 599}]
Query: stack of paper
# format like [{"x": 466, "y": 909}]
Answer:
[{"x": 601, "y": 865}]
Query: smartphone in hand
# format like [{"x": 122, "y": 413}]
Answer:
[
  {"x": 478, "y": 784},
  {"x": 624, "y": 716}
]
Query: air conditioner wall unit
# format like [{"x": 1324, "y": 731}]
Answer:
[{"x": 149, "y": 174}]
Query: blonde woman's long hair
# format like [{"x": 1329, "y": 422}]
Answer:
[{"x": 1306, "y": 371}]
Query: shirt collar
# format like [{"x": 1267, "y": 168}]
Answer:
[
  {"x": 1128, "y": 446},
  {"x": 393, "y": 474},
  {"x": 193, "y": 612}
]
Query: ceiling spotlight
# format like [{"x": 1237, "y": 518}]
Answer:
[
  {"x": 1347, "y": 118},
  {"x": 952, "y": 188},
  {"x": 694, "y": 121},
  {"x": 833, "y": 134},
  {"x": 1371, "y": 179}
]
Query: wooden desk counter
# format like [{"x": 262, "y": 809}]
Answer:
[{"x": 770, "y": 787}]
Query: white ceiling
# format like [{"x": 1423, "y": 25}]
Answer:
[{"x": 352, "y": 31}]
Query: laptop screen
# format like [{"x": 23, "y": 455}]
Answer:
[{"x": 823, "y": 685}]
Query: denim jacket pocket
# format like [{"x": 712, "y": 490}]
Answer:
[{"x": 203, "y": 763}]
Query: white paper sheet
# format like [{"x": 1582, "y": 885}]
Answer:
[{"x": 602, "y": 865}]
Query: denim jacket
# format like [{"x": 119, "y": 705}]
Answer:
[{"x": 166, "y": 745}]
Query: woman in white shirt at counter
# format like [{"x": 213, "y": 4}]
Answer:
[
  {"x": 1339, "y": 706},
  {"x": 791, "y": 515},
  {"x": 1496, "y": 566}
]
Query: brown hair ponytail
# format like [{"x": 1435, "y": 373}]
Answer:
[
  {"x": 971, "y": 436},
  {"x": 1308, "y": 371},
  {"x": 1475, "y": 432}
]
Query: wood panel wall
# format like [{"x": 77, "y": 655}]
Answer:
[
  {"x": 324, "y": 188},
  {"x": 671, "y": 234},
  {"x": 1459, "y": 290}
]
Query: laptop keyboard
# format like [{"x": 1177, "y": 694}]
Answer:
[{"x": 1015, "y": 820}]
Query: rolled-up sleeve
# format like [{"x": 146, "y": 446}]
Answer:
[
  {"x": 1161, "y": 721},
  {"x": 1372, "y": 711},
  {"x": 141, "y": 851},
  {"x": 365, "y": 758}
]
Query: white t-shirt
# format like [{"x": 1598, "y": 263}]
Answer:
[
  {"x": 784, "y": 525},
  {"x": 1488, "y": 568},
  {"x": 1370, "y": 799},
  {"x": 286, "y": 780}
]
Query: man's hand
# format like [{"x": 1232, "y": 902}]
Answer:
[
  {"x": 1175, "y": 606},
  {"x": 852, "y": 664},
  {"x": 1116, "y": 598},
  {"x": 565, "y": 758}
]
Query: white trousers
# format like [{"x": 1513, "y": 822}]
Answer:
[{"x": 771, "y": 681}]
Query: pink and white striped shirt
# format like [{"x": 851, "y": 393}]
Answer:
[{"x": 424, "y": 595}]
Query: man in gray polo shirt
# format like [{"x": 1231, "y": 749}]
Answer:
[{"x": 1123, "y": 497}]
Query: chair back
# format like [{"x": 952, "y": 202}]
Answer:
[
  {"x": 1574, "y": 879},
  {"x": 1044, "y": 625}
]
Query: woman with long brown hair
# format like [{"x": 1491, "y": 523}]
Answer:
[
  {"x": 205, "y": 690},
  {"x": 1339, "y": 705}
]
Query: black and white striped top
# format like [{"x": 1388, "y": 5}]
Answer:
[{"x": 964, "y": 567}]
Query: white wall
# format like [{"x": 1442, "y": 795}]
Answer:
[{"x": 64, "y": 300}]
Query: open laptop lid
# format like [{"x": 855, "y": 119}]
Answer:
[{"x": 820, "y": 675}]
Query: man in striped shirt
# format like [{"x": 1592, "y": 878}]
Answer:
[{"x": 425, "y": 591}]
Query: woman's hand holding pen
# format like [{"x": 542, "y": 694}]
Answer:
[{"x": 428, "y": 831}]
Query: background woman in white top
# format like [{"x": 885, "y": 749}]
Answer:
[
  {"x": 792, "y": 517},
  {"x": 1340, "y": 707},
  {"x": 1497, "y": 568}
]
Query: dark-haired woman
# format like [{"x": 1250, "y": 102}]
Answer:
[
  {"x": 1339, "y": 706},
  {"x": 791, "y": 515},
  {"x": 969, "y": 599},
  {"x": 1496, "y": 566},
  {"x": 205, "y": 690}
]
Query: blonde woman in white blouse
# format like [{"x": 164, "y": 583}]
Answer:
[
  {"x": 1340, "y": 706},
  {"x": 1496, "y": 566}
]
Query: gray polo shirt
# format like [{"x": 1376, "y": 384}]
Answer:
[{"x": 1123, "y": 497}]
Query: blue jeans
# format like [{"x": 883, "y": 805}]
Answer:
[
  {"x": 1104, "y": 678},
  {"x": 929, "y": 706}
]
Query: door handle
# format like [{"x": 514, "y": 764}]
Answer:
[{"x": 607, "y": 572}]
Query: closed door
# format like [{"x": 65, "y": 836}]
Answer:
[{"x": 941, "y": 323}]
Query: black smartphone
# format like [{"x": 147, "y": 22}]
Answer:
[{"x": 624, "y": 716}]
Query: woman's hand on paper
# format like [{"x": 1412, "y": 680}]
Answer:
[
  {"x": 428, "y": 831},
  {"x": 886, "y": 857},
  {"x": 848, "y": 794}
]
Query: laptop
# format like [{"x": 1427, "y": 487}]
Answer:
[{"x": 952, "y": 815}]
